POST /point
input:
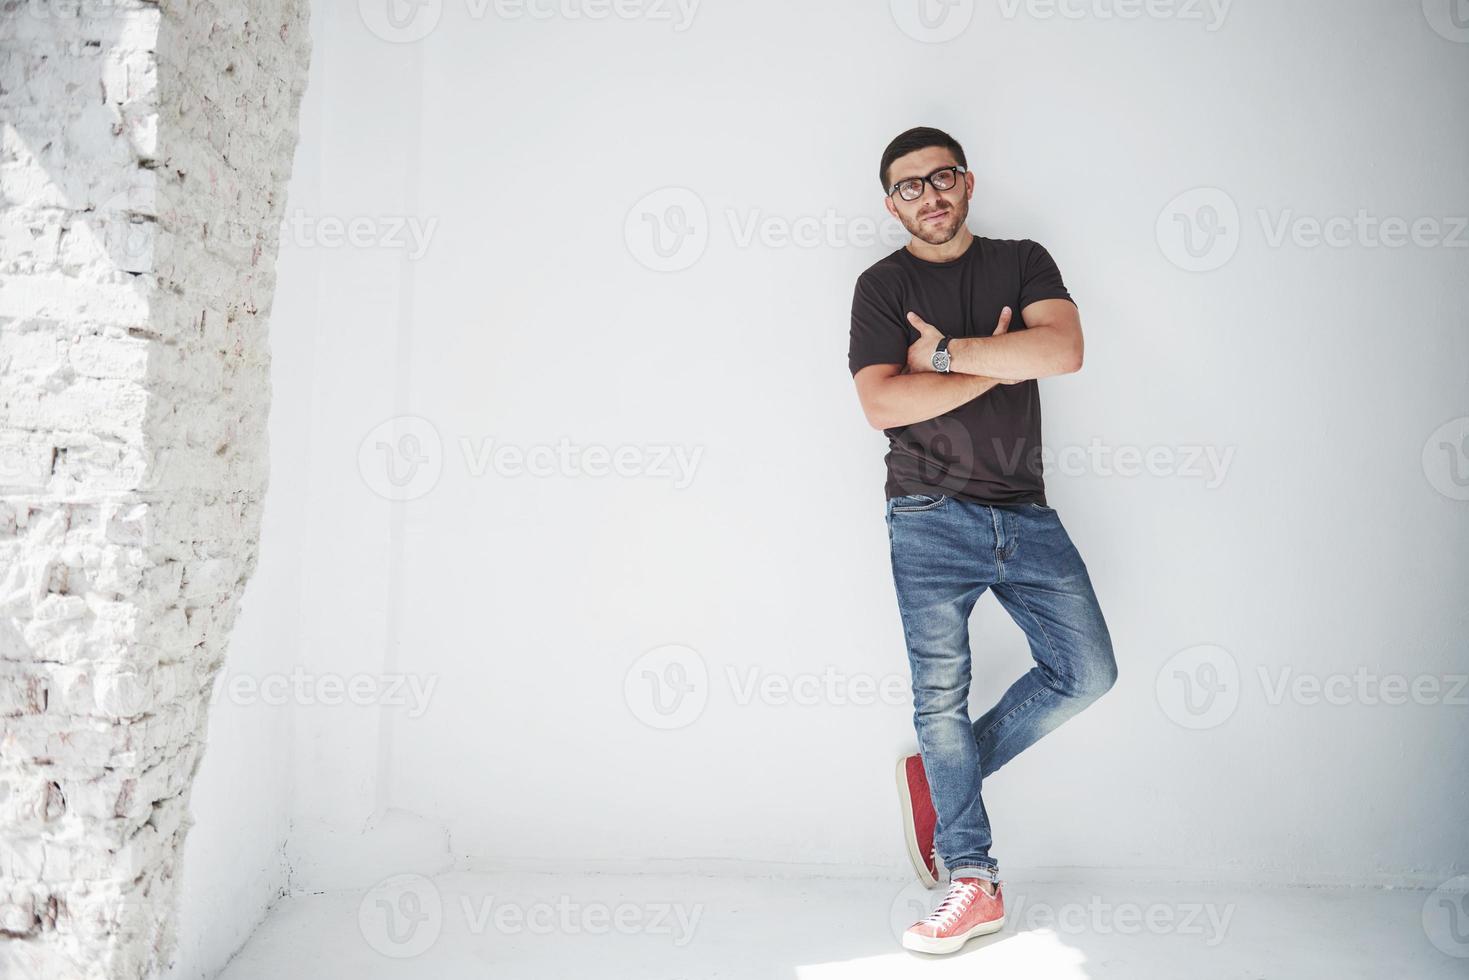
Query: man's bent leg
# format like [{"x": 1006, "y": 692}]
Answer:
[{"x": 1046, "y": 589}]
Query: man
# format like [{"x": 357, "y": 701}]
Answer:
[{"x": 944, "y": 367}]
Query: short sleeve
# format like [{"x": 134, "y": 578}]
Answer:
[
  {"x": 1039, "y": 277},
  {"x": 879, "y": 330}
]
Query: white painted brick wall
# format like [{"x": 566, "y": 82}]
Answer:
[{"x": 144, "y": 153}]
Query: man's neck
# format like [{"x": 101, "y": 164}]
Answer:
[{"x": 947, "y": 252}]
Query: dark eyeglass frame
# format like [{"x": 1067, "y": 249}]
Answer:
[{"x": 959, "y": 171}]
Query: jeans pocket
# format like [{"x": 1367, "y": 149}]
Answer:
[{"x": 914, "y": 503}]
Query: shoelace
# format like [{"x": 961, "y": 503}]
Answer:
[{"x": 961, "y": 893}]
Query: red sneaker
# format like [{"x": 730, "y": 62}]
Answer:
[
  {"x": 966, "y": 911},
  {"x": 918, "y": 819}
]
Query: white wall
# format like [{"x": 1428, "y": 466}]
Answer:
[{"x": 533, "y": 317}]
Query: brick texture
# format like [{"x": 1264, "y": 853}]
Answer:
[{"x": 146, "y": 149}]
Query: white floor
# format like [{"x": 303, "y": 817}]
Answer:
[{"x": 519, "y": 926}]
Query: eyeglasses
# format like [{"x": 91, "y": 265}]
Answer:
[{"x": 942, "y": 180}]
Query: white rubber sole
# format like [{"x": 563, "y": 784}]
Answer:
[
  {"x": 924, "y": 944},
  {"x": 915, "y": 853}
]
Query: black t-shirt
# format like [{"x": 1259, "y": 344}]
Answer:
[{"x": 987, "y": 450}]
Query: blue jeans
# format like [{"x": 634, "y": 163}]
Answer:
[{"x": 946, "y": 552}]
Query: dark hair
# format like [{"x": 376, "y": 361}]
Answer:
[{"x": 918, "y": 138}]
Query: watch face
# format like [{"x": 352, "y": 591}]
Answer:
[{"x": 941, "y": 360}]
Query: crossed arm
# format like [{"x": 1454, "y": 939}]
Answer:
[{"x": 894, "y": 395}]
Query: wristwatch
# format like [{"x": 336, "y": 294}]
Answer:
[{"x": 941, "y": 356}]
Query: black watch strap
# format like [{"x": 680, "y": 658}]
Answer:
[{"x": 942, "y": 349}]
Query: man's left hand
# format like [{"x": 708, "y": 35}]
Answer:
[{"x": 920, "y": 352}]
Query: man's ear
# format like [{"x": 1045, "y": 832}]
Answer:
[{"x": 892, "y": 208}]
